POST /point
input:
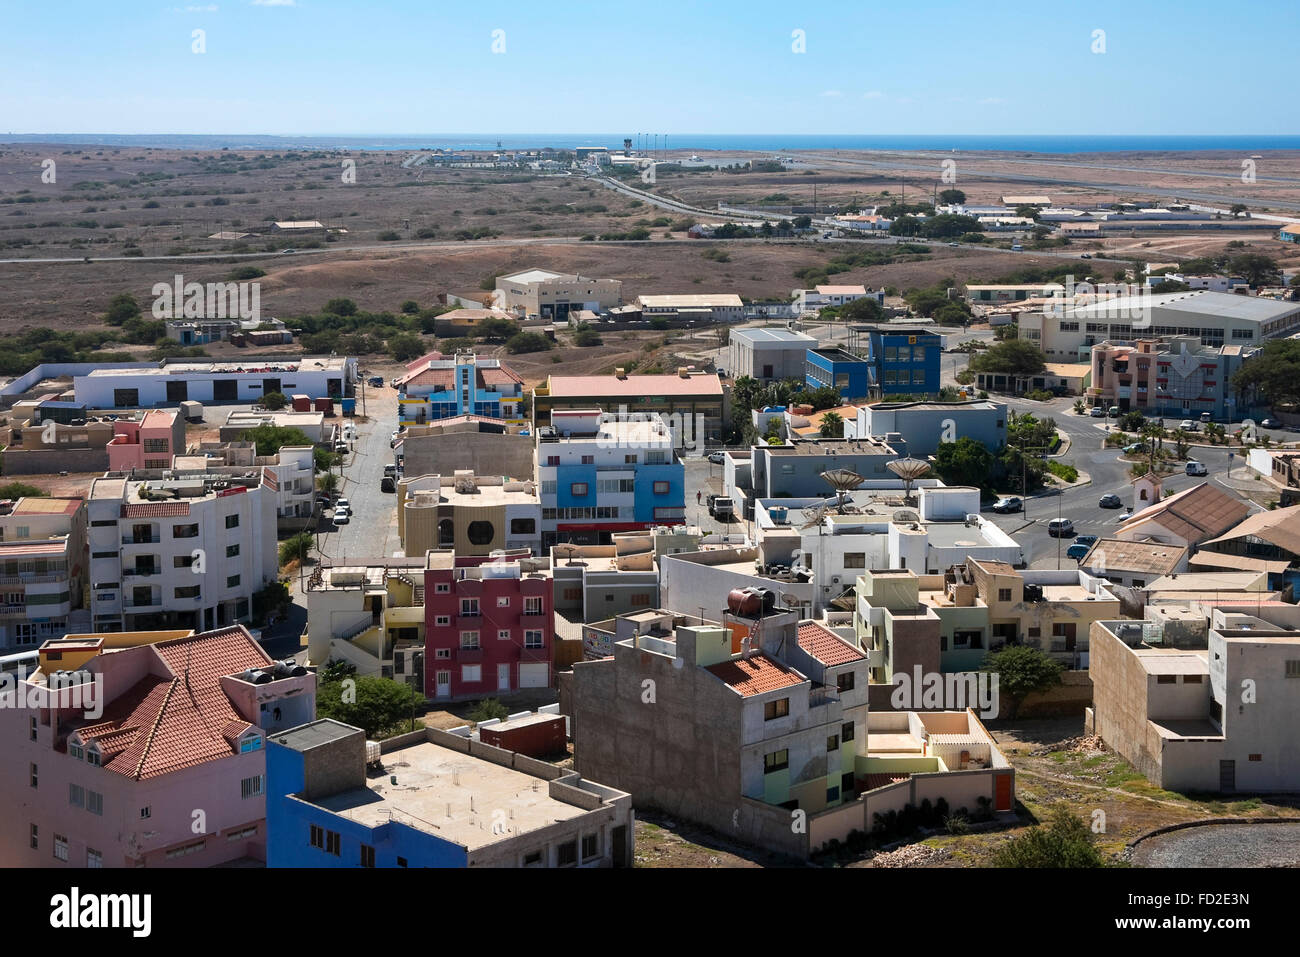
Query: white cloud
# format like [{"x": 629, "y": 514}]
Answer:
[
  {"x": 831, "y": 93},
  {"x": 873, "y": 95}
]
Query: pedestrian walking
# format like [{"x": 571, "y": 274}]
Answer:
[{"x": 698, "y": 493}]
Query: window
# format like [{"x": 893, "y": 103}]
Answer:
[
  {"x": 367, "y": 856},
  {"x": 318, "y": 836},
  {"x": 480, "y": 533},
  {"x": 182, "y": 561},
  {"x": 1166, "y": 679},
  {"x": 95, "y": 803},
  {"x": 846, "y": 731},
  {"x": 252, "y": 787},
  {"x": 469, "y": 608},
  {"x": 590, "y": 846},
  {"x": 92, "y": 757},
  {"x": 36, "y": 838},
  {"x": 442, "y": 620},
  {"x": 578, "y": 489},
  {"x": 855, "y": 560},
  {"x": 833, "y": 794},
  {"x": 232, "y": 551},
  {"x": 188, "y": 591},
  {"x": 523, "y": 526},
  {"x": 332, "y": 843},
  {"x": 532, "y": 639},
  {"x": 533, "y": 859},
  {"x": 589, "y": 460},
  {"x": 76, "y": 751},
  {"x": 60, "y": 847},
  {"x": 471, "y": 674},
  {"x": 1035, "y": 632},
  {"x": 94, "y": 858},
  {"x": 832, "y": 743},
  {"x": 533, "y": 605},
  {"x": 568, "y": 854},
  {"x": 661, "y": 488},
  {"x": 401, "y": 862},
  {"x": 641, "y": 599},
  {"x": 185, "y": 531},
  {"x": 251, "y": 744},
  {"x": 1293, "y": 668},
  {"x": 187, "y": 849},
  {"x": 1256, "y": 757},
  {"x": 1004, "y": 594},
  {"x": 776, "y": 761},
  {"x": 844, "y": 682},
  {"x": 1192, "y": 679},
  {"x": 469, "y": 641},
  {"x": 146, "y": 812},
  {"x": 34, "y": 775},
  {"x": 503, "y": 634},
  {"x": 31, "y": 729},
  {"x": 780, "y": 708},
  {"x": 441, "y": 588},
  {"x": 503, "y": 601},
  {"x": 442, "y": 653},
  {"x": 232, "y": 581},
  {"x": 232, "y": 521},
  {"x": 76, "y": 795}
]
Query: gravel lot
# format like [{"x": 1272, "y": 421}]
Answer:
[{"x": 1223, "y": 845}]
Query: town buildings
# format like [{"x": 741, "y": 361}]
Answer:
[
  {"x": 924, "y": 426},
  {"x": 1206, "y": 706},
  {"x": 43, "y": 570},
  {"x": 146, "y": 443},
  {"x": 552, "y": 295},
  {"x": 465, "y": 384},
  {"x": 489, "y": 628},
  {"x": 879, "y": 362},
  {"x": 172, "y": 381},
  {"x": 475, "y": 515},
  {"x": 708, "y": 307},
  {"x": 823, "y": 297},
  {"x": 594, "y": 582},
  {"x": 369, "y": 615},
  {"x": 695, "y": 398},
  {"x": 171, "y": 549},
  {"x": 599, "y": 474},
  {"x": 468, "y": 443},
  {"x": 449, "y": 802},
  {"x": 1175, "y": 376},
  {"x": 167, "y": 733},
  {"x": 769, "y": 354}
]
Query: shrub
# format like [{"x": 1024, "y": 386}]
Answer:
[
  {"x": 487, "y": 709},
  {"x": 1064, "y": 841}
]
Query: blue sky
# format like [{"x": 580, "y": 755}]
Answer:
[{"x": 421, "y": 67}]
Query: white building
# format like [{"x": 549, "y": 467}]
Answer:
[
  {"x": 151, "y": 384},
  {"x": 769, "y": 354},
  {"x": 179, "y": 549},
  {"x": 824, "y": 297},
  {"x": 716, "y": 307}
]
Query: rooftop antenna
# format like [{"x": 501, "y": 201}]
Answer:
[
  {"x": 909, "y": 470},
  {"x": 813, "y": 516},
  {"x": 842, "y": 481}
]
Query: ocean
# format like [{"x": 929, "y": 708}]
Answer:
[{"x": 753, "y": 142}]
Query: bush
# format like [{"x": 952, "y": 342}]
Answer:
[
  {"x": 296, "y": 548},
  {"x": 1064, "y": 841},
  {"x": 388, "y": 236},
  {"x": 586, "y": 336},
  {"x": 487, "y": 709},
  {"x": 1063, "y": 471},
  {"x": 241, "y": 273},
  {"x": 522, "y": 342},
  {"x": 20, "y": 490},
  {"x": 275, "y": 400}
]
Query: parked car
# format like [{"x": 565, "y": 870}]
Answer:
[
  {"x": 1135, "y": 448},
  {"x": 1060, "y": 528},
  {"x": 1098, "y": 412},
  {"x": 1008, "y": 504},
  {"x": 1086, "y": 256},
  {"x": 387, "y": 484},
  {"x": 1187, "y": 425},
  {"x": 1197, "y": 468},
  {"x": 390, "y": 469},
  {"x": 1207, "y": 417},
  {"x": 343, "y": 503},
  {"x": 717, "y": 458},
  {"x": 1110, "y": 500},
  {"x": 1085, "y": 540},
  {"x": 1271, "y": 423},
  {"x": 341, "y": 516},
  {"x": 376, "y": 380},
  {"x": 1125, "y": 516},
  {"x": 1078, "y": 552},
  {"x": 1113, "y": 412}
]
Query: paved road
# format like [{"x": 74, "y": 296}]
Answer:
[
  {"x": 1223, "y": 845},
  {"x": 372, "y": 531}
]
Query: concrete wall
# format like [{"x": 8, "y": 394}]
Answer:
[
  {"x": 483, "y": 453},
  {"x": 53, "y": 461}
]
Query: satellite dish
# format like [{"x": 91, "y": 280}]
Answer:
[
  {"x": 842, "y": 481},
  {"x": 909, "y": 470},
  {"x": 814, "y": 516}
]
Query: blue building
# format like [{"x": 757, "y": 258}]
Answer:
[
  {"x": 440, "y": 387},
  {"x": 432, "y": 799},
  {"x": 598, "y": 474},
  {"x": 879, "y": 361}
]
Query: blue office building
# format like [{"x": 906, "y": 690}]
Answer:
[
  {"x": 432, "y": 799},
  {"x": 440, "y": 387},
  {"x": 879, "y": 361}
]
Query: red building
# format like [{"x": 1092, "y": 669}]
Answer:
[{"x": 489, "y": 629}]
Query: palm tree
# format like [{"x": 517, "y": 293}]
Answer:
[{"x": 832, "y": 426}]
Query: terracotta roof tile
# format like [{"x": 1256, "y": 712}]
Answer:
[
  {"x": 869, "y": 782},
  {"x": 826, "y": 646},
  {"x": 755, "y": 675},
  {"x": 156, "y": 510}
]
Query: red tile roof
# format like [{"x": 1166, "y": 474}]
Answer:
[
  {"x": 181, "y": 718},
  {"x": 826, "y": 646},
  {"x": 156, "y": 510},
  {"x": 632, "y": 386},
  {"x": 755, "y": 675},
  {"x": 872, "y": 781}
]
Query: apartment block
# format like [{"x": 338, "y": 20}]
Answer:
[
  {"x": 474, "y": 515},
  {"x": 489, "y": 629},
  {"x": 596, "y": 582},
  {"x": 597, "y": 475},
  {"x": 1175, "y": 376},
  {"x": 769, "y": 354},
  {"x": 146, "y": 443},
  {"x": 1208, "y": 709},
  {"x": 443, "y": 801},
  {"x": 370, "y": 615},
  {"x": 924, "y": 426},
  {"x": 43, "y": 571},
  {"x": 552, "y": 295},
  {"x": 695, "y": 397},
  {"x": 161, "y": 730},
  {"x": 179, "y": 549},
  {"x": 464, "y": 384},
  {"x": 247, "y": 380}
]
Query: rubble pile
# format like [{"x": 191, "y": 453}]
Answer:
[{"x": 911, "y": 855}]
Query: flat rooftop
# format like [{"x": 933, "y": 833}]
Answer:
[
  {"x": 534, "y": 275},
  {"x": 250, "y": 366},
  {"x": 452, "y": 796},
  {"x": 772, "y": 335}
]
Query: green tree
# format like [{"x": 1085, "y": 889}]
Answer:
[
  {"x": 1021, "y": 671},
  {"x": 405, "y": 346},
  {"x": 832, "y": 426},
  {"x": 121, "y": 308},
  {"x": 1012, "y": 357},
  {"x": 269, "y": 439},
  {"x": 21, "y": 490},
  {"x": 297, "y": 548},
  {"x": 585, "y": 336},
  {"x": 1236, "y": 209},
  {"x": 336, "y": 669},
  {"x": 327, "y": 481},
  {"x": 1027, "y": 212},
  {"x": 1064, "y": 841},
  {"x": 410, "y": 307},
  {"x": 341, "y": 307},
  {"x": 1256, "y": 268},
  {"x": 964, "y": 462},
  {"x": 866, "y": 309},
  {"x": 382, "y": 706},
  {"x": 522, "y": 342},
  {"x": 486, "y": 709},
  {"x": 495, "y": 328},
  {"x": 274, "y": 400},
  {"x": 951, "y": 197},
  {"x": 1273, "y": 372},
  {"x": 802, "y": 222}
]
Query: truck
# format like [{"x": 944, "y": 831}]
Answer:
[
  {"x": 722, "y": 508},
  {"x": 192, "y": 411}
]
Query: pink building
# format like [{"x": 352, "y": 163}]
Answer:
[
  {"x": 488, "y": 630},
  {"x": 163, "y": 767},
  {"x": 146, "y": 443}
]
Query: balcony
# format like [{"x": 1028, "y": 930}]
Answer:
[
  {"x": 33, "y": 579},
  {"x": 470, "y": 655},
  {"x": 141, "y": 572},
  {"x": 469, "y": 622},
  {"x": 141, "y": 539},
  {"x": 820, "y": 696},
  {"x": 534, "y": 654},
  {"x": 151, "y": 603}
]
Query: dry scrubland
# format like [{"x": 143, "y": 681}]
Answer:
[{"x": 168, "y": 201}]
